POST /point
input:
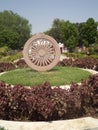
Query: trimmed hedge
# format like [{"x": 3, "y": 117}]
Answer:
[
  {"x": 7, "y": 66},
  {"x": 88, "y": 62}
]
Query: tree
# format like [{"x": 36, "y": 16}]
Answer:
[
  {"x": 65, "y": 32},
  {"x": 14, "y": 30},
  {"x": 89, "y": 32},
  {"x": 82, "y": 34},
  {"x": 9, "y": 38},
  {"x": 97, "y": 34},
  {"x": 56, "y": 29},
  {"x": 69, "y": 35},
  {"x": 71, "y": 43}
]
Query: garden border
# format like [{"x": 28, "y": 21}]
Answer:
[{"x": 72, "y": 124}]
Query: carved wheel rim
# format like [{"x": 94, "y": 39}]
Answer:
[{"x": 41, "y": 52}]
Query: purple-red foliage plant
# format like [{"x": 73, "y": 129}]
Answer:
[
  {"x": 44, "y": 103},
  {"x": 6, "y": 66},
  {"x": 21, "y": 63},
  {"x": 87, "y": 63},
  {"x": 5, "y": 94}
]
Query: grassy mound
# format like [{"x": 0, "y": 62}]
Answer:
[{"x": 57, "y": 76}]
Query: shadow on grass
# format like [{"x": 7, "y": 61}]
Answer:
[{"x": 52, "y": 70}]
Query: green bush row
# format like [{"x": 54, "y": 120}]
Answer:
[
  {"x": 9, "y": 55},
  {"x": 11, "y": 58},
  {"x": 81, "y": 55}
]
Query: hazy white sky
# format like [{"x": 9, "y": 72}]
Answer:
[{"x": 41, "y": 13}]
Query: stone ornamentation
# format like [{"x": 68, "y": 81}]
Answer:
[{"x": 41, "y": 52}]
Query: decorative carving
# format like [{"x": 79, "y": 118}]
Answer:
[{"x": 41, "y": 52}]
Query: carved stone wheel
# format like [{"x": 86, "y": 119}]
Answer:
[{"x": 41, "y": 52}]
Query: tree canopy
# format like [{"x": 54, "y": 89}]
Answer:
[
  {"x": 89, "y": 32},
  {"x": 14, "y": 30},
  {"x": 74, "y": 34}
]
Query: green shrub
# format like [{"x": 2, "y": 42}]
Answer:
[
  {"x": 2, "y": 128},
  {"x": 76, "y": 55},
  {"x": 4, "y": 51},
  {"x": 94, "y": 56},
  {"x": 11, "y": 58},
  {"x": 93, "y": 50}
]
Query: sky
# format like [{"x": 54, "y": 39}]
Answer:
[{"x": 41, "y": 13}]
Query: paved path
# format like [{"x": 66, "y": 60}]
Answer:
[{"x": 87, "y": 123}]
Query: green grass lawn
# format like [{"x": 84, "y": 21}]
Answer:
[{"x": 57, "y": 76}]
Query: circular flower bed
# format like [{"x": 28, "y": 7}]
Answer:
[{"x": 43, "y": 103}]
